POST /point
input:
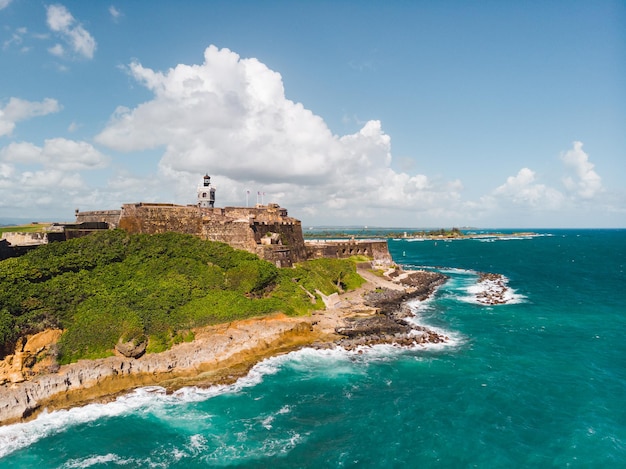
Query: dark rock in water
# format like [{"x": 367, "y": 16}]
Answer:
[
  {"x": 389, "y": 326},
  {"x": 419, "y": 285},
  {"x": 386, "y": 300},
  {"x": 372, "y": 326},
  {"x": 424, "y": 283},
  {"x": 495, "y": 293}
]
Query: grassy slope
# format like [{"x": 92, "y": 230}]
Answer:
[{"x": 31, "y": 228}]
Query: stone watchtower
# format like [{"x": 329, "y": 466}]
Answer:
[{"x": 206, "y": 193}]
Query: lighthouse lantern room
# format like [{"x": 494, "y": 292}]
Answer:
[{"x": 206, "y": 193}]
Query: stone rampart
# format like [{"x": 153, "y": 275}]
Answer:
[
  {"x": 265, "y": 230},
  {"x": 236, "y": 233},
  {"x": 375, "y": 249},
  {"x": 26, "y": 239},
  {"x": 240, "y": 227},
  {"x": 110, "y": 217},
  {"x": 160, "y": 218}
]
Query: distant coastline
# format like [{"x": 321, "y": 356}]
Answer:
[{"x": 394, "y": 233}]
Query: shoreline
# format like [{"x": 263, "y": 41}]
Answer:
[
  {"x": 371, "y": 314},
  {"x": 417, "y": 237}
]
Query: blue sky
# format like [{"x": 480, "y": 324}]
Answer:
[{"x": 398, "y": 113}]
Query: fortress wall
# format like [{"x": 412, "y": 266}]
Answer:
[
  {"x": 237, "y": 234},
  {"x": 160, "y": 218},
  {"x": 26, "y": 239},
  {"x": 343, "y": 249},
  {"x": 280, "y": 256},
  {"x": 263, "y": 230},
  {"x": 269, "y": 213},
  {"x": 110, "y": 217},
  {"x": 380, "y": 252},
  {"x": 290, "y": 235}
]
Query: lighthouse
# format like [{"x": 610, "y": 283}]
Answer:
[{"x": 206, "y": 193}]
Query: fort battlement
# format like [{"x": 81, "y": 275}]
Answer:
[
  {"x": 110, "y": 217},
  {"x": 376, "y": 249},
  {"x": 265, "y": 230}
]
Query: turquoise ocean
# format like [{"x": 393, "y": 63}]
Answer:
[{"x": 537, "y": 382}]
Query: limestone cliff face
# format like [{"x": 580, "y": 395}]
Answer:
[{"x": 213, "y": 348}]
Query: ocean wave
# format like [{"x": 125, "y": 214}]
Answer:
[
  {"x": 20, "y": 435},
  {"x": 155, "y": 400},
  {"x": 456, "y": 270},
  {"x": 152, "y": 399},
  {"x": 90, "y": 461}
]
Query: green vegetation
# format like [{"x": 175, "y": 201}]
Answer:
[
  {"x": 452, "y": 233},
  {"x": 33, "y": 227},
  {"x": 384, "y": 233},
  {"x": 112, "y": 286}
]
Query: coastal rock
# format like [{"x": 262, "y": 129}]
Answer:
[
  {"x": 389, "y": 325},
  {"x": 423, "y": 283},
  {"x": 132, "y": 348},
  {"x": 42, "y": 341},
  {"x": 220, "y": 346},
  {"x": 494, "y": 289},
  {"x": 375, "y": 325},
  {"x": 32, "y": 356},
  {"x": 221, "y": 353}
]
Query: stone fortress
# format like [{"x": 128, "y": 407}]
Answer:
[{"x": 264, "y": 230}]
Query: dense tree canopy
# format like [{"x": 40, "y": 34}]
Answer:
[{"x": 113, "y": 286}]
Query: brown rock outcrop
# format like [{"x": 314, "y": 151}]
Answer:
[
  {"x": 131, "y": 349},
  {"x": 32, "y": 356}
]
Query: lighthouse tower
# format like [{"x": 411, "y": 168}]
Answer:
[{"x": 206, "y": 193}]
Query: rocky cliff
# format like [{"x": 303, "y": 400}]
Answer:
[{"x": 216, "y": 350}]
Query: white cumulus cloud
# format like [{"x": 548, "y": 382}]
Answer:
[
  {"x": 18, "y": 110},
  {"x": 61, "y": 21},
  {"x": 57, "y": 153},
  {"x": 229, "y": 116},
  {"x": 522, "y": 189},
  {"x": 585, "y": 183}
]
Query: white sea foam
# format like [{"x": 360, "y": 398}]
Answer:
[
  {"x": 269, "y": 420},
  {"x": 475, "y": 293},
  {"x": 100, "y": 459},
  {"x": 456, "y": 270},
  {"x": 155, "y": 400},
  {"x": 20, "y": 435},
  {"x": 197, "y": 443}
]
